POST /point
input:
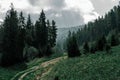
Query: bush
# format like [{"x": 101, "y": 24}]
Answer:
[{"x": 30, "y": 53}]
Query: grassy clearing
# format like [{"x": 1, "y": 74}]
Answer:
[{"x": 100, "y": 66}]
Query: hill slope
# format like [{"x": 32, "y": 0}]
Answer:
[
  {"x": 62, "y": 33},
  {"x": 99, "y": 66}
]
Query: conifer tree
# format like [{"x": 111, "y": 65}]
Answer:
[
  {"x": 86, "y": 48},
  {"x": 114, "y": 40},
  {"x": 10, "y": 36},
  {"x": 29, "y": 25},
  {"x": 49, "y": 33},
  {"x": 21, "y": 37},
  {"x": 54, "y": 33},
  {"x": 72, "y": 47},
  {"x": 42, "y": 34},
  {"x": 101, "y": 43}
]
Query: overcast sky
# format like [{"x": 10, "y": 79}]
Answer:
[{"x": 66, "y": 13}]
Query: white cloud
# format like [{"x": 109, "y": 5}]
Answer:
[
  {"x": 5, "y": 4},
  {"x": 88, "y": 17},
  {"x": 85, "y": 7}
]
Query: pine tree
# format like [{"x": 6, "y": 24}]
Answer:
[
  {"x": 21, "y": 21},
  {"x": 37, "y": 34},
  {"x": 42, "y": 34},
  {"x": 49, "y": 33},
  {"x": 21, "y": 37},
  {"x": 101, "y": 43},
  {"x": 29, "y": 27},
  {"x": 86, "y": 48},
  {"x": 10, "y": 36},
  {"x": 72, "y": 47},
  {"x": 114, "y": 40},
  {"x": 54, "y": 33},
  {"x": 44, "y": 30}
]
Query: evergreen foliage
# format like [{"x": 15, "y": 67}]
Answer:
[
  {"x": 72, "y": 46},
  {"x": 101, "y": 26},
  {"x": 114, "y": 40},
  {"x": 86, "y": 48},
  {"x": 101, "y": 43},
  {"x": 10, "y": 38},
  {"x": 18, "y": 34}
]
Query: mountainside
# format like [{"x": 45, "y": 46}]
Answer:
[
  {"x": 100, "y": 66},
  {"x": 62, "y": 33}
]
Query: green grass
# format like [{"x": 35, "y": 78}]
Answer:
[
  {"x": 8, "y": 73},
  {"x": 99, "y": 66},
  {"x": 35, "y": 62}
]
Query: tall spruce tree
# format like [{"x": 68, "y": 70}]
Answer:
[
  {"x": 21, "y": 37},
  {"x": 101, "y": 43},
  {"x": 37, "y": 34},
  {"x": 49, "y": 33},
  {"x": 72, "y": 46},
  {"x": 42, "y": 34},
  {"x": 29, "y": 25},
  {"x": 54, "y": 33},
  {"x": 86, "y": 48},
  {"x": 10, "y": 36},
  {"x": 114, "y": 40}
]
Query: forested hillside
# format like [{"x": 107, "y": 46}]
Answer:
[
  {"x": 104, "y": 25},
  {"x": 62, "y": 33},
  {"x": 42, "y": 51}
]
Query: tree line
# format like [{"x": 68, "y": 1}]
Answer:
[
  {"x": 104, "y": 25},
  {"x": 95, "y": 36},
  {"x": 18, "y": 33}
]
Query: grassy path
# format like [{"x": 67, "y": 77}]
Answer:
[{"x": 45, "y": 66}]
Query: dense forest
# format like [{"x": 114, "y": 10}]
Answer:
[
  {"x": 19, "y": 36},
  {"x": 98, "y": 35},
  {"x": 103, "y": 26},
  {"x": 41, "y": 51}
]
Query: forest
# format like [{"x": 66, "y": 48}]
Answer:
[
  {"x": 23, "y": 41},
  {"x": 19, "y": 37}
]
